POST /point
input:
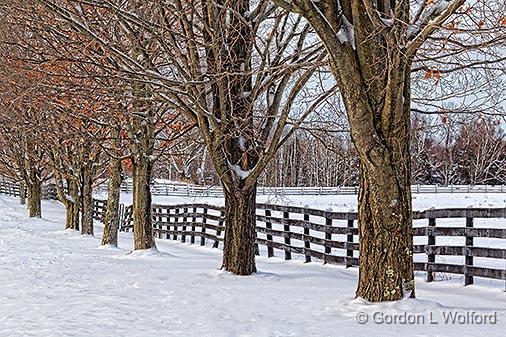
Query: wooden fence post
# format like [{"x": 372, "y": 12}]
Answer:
[
  {"x": 328, "y": 238},
  {"x": 204, "y": 221},
  {"x": 160, "y": 221},
  {"x": 185, "y": 220},
  {"x": 176, "y": 219},
  {"x": 468, "y": 279},
  {"x": 431, "y": 241},
  {"x": 307, "y": 243},
  {"x": 119, "y": 217},
  {"x": 194, "y": 220},
  {"x": 104, "y": 210},
  {"x": 268, "y": 225},
  {"x": 218, "y": 231},
  {"x": 164, "y": 222},
  {"x": 349, "y": 241},
  {"x": 286, "y": 229}
]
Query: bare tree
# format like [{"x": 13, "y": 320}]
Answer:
[{"x": 372, "y": 46}]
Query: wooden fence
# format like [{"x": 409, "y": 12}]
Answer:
[
  {"x": 99, "y": 209},
  {"x": 332, "y": 237},
  {"x": 10, "y": 188}
]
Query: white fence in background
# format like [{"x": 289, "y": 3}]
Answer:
[{"x": 174, "y": 189}]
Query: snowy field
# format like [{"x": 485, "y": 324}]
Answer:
[
  {"x": 58, "y": 283},
  {"x": 344, "y": 203}
]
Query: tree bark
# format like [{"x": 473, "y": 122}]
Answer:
[
  {"x": 143, "y": 231},
  {"x": 385, "y": 212},
  {"x": 72, "y": 206},
  {"x": 22, "y": 193},
  {"x": 87, "y": 201},
  {"x": 35, "y": 198},
  {"x": 240, "y": 233},
  {"x": 385, "y": 229},
  {"x": 111, "y": 221}
]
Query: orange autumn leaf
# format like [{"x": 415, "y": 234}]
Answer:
[
  {"x": 453, "y": 25},
  {"x": 177, "y": 126},
  {"x": 437, "y": 75},
  {"x": 431, "y": 73},
  {"x": 127, "y": 164}
]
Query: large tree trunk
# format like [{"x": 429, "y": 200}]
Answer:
[
  {"x": 240, "y": 233},
  {"x": 386, "y": 255},
  {"x": 385, "y": 213},
  {"x": 72, "y": 206},
  {"x": 111, "y": 221},
  {"x": 143, "y": 134},
  {"x": 72, "y": 216},
  {"x": 87, "y": 201},
  {"x": 22, "y": 193},
  {"x": 34, "y": 195},
  {"x": 143, "y": 231},
  {"x": 70, "y": 199}
]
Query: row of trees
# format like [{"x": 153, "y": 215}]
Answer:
[{"x": 91, "y": 88}]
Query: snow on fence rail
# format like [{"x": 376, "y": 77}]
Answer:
[
  {"x": 174, "y": 189},
  {"x": 332, "y": 237}
]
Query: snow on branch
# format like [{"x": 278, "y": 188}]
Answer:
[
  {"x": 239, "y": 171},
  {"x": 346, "y": 33},
  {"x": 428, "y": 14},
  {"x": 429, "y": 20}
]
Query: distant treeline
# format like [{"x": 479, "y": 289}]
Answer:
[{"x": 444, "y": 151}]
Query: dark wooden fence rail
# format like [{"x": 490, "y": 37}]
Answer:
[
  {"x": 332, "y": 237},
  {"x": 99, "y": 209},
  {"x": 9, "y": 188}
]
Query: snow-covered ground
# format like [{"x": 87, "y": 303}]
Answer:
[
  {"x": 345, "y": 203},
  {"x": 58, "y": 283}
]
